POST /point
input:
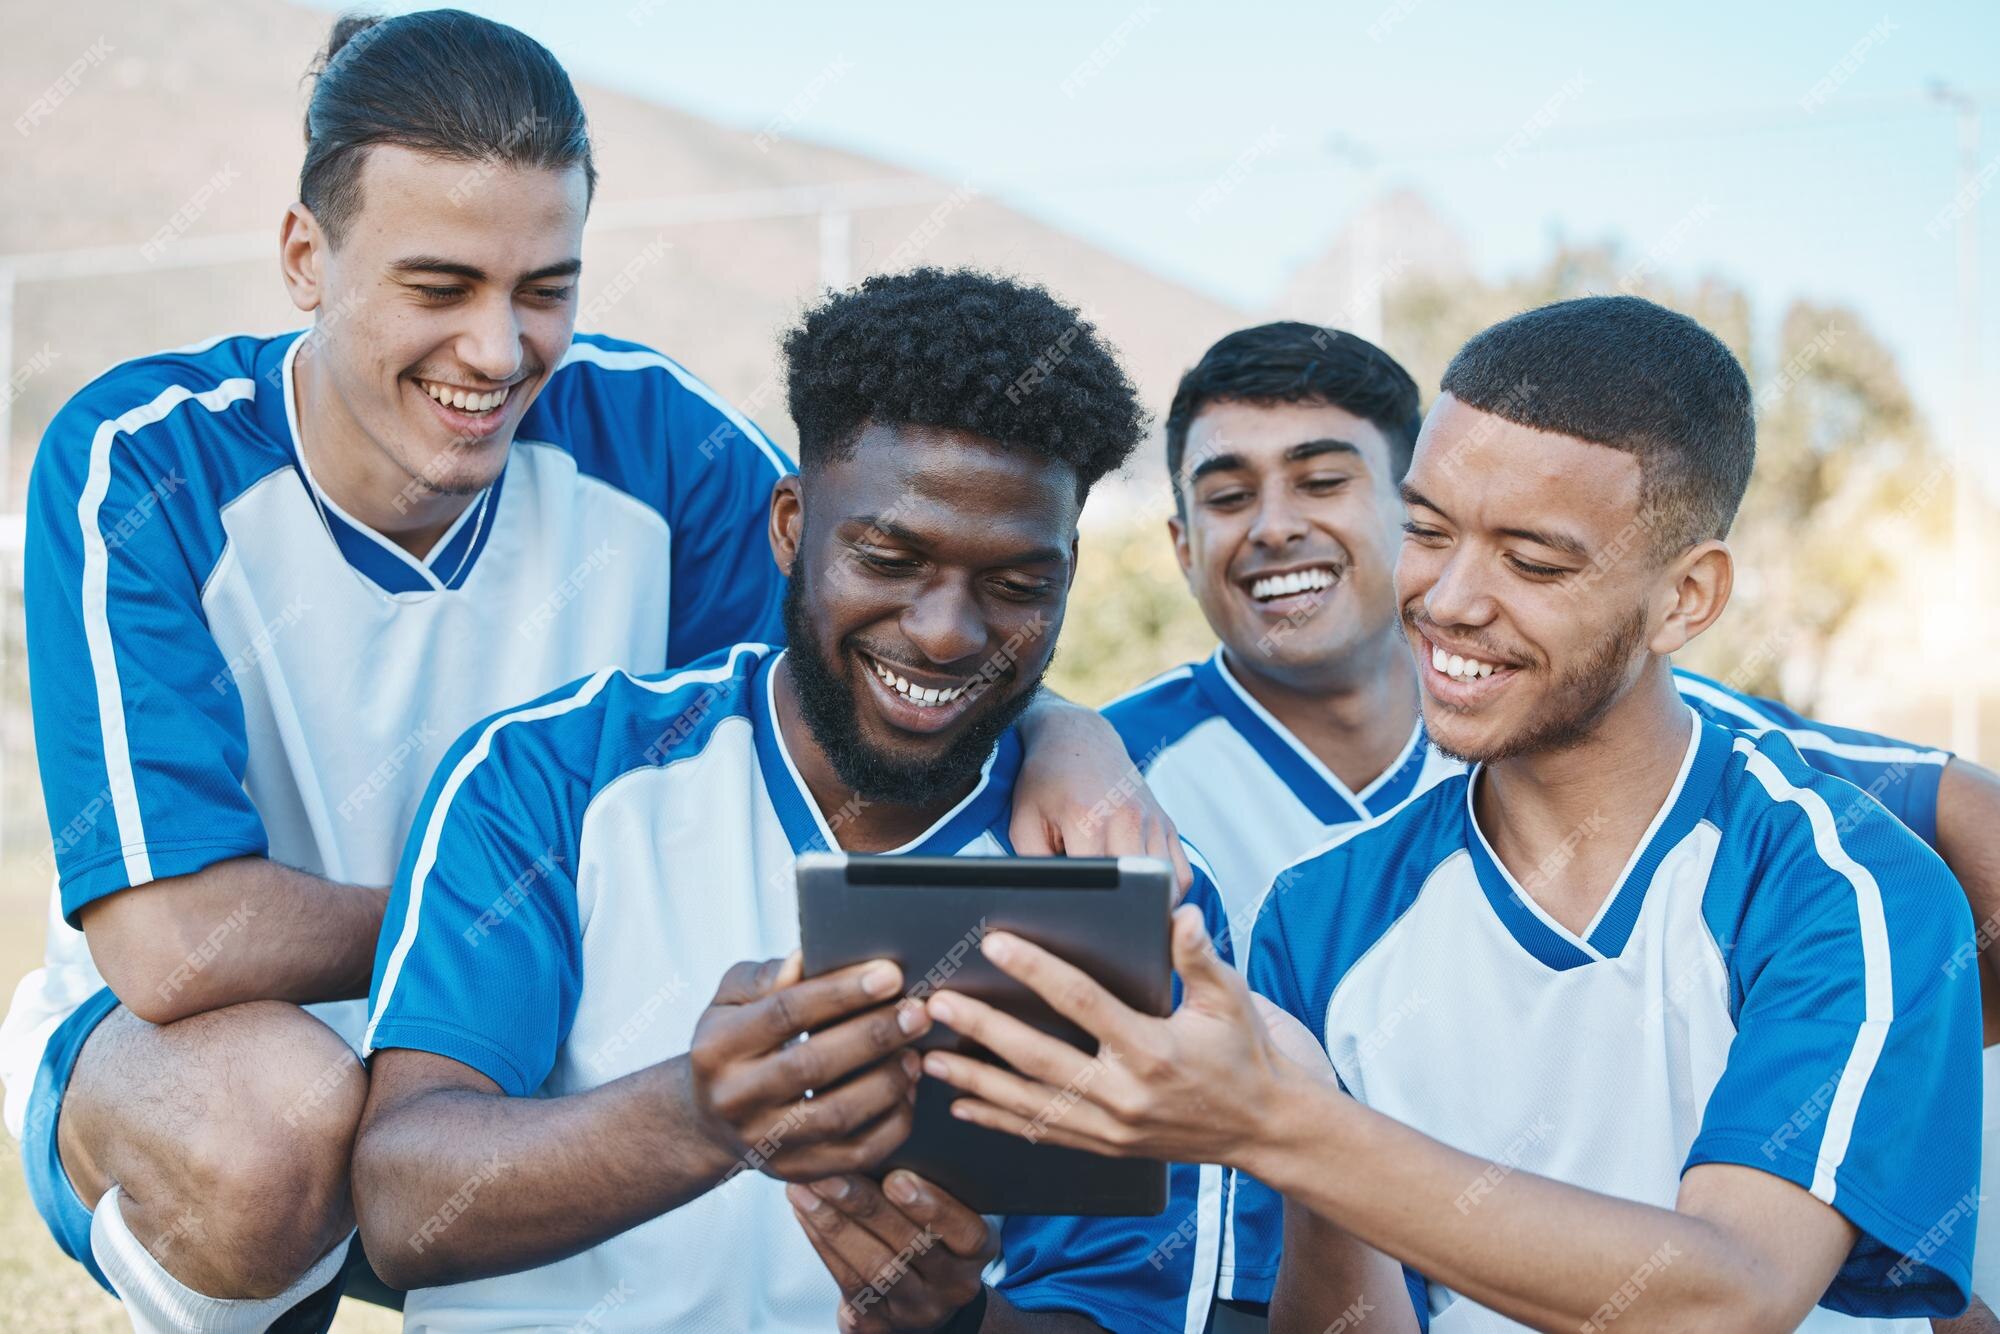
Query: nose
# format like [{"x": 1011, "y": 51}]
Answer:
[
  {"x": 1457, "y": 596},
  {"x": 1278, "y": 522},
  {"x": 944, "y": 623},
  {"x": 490, "y": 347}
]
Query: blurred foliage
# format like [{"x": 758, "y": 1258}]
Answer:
[
  {"x": 1846, "y": 482},
  {"x": 1130, "y": 616}
]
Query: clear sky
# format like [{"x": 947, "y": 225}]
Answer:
[{"x": 1789, "y": 147}]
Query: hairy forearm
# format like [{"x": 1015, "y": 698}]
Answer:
[
  {"x": 452, "y": 1184},
  {"x": 1549, "y": 1255},
  {"x": 1968, "y": 838},
  {"x": 241, "y": 930}
]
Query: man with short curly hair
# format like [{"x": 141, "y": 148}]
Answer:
[{"x": 587, "y": 868}]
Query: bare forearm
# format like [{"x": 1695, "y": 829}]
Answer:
[
  {"x": 1546, "y": 1254},
  {"x": 1968, "y": 838},
  {"x": 240, "y": 930},
  {"x": 1344, "y": 1281},
  {"x": 536, "y": 1179}
]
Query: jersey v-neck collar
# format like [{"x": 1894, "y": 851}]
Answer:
[
  {"x": 1604, "y": 938},
  {"x": 807, "y": 827},
  {"x": 1317, "y": 787},
  {"x": 370, "y": 554}
]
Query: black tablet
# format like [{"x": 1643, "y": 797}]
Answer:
[{"x": 1108, "y": 916}]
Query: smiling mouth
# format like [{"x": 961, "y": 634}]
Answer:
[
  {"x": 1461, "y": 668},
  {"x": 1271, "y": 587},
  {"x": 923, "y": 697},
  {"x": 473, "y": 403}
]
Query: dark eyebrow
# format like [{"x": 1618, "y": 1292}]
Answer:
[
  {"x": 895, "y": 532},
  {"x": 472, "y": 273},
  {"x": 1214, "y": 463},
  {"x": 1562, "y": 542},
  {"x": 1312, "y": 449},
  {"x": 1299, "y": 453}
]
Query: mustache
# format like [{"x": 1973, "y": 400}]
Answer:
[
  {"x": 1414, "y": 617},
  {"x": 520, "y": 377},
  {"x": 1339, "y": 562}
]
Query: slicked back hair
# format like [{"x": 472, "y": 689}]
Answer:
[{"x": 441, "y": 82}]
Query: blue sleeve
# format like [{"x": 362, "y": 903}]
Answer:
[
  {"x": 727, "y": 588},
  {"x": 1155, "y": 1274},
  {"x": 646, "y": 425},
  {"x": 1855, "y": 1070},
  {"x": 139, "y": 728},
  {"x": 1255, "y": 1219},
  {"x": 480, "y": 954},
  {"x": 1900, "y": 777},
  {"x": 1204, "y": 895}
]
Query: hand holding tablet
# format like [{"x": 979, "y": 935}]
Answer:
[{"x": 927, "y": 915}]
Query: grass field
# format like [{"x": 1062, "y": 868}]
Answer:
[{"x": 41, "y": 1289}]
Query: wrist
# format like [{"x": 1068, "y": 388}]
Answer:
[
  {"x": 717, "y": 1153},
  {"x": 968, "y": 1318},
  {"x": 1299, "y": 1117}
]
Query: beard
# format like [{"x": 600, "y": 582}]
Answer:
[
  {"x": 1574, "y": 705},
  {"x": 827, "y": 704}
]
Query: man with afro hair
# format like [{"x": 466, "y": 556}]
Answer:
[{"x": 553, "y": 1051}]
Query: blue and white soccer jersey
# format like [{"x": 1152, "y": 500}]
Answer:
[
  {"x": 223, "y": 664},
  {"x": 1772, "y": 983},
  {"x": 1248, "y": 793},
  {"x": 584, "y": 870},
  {"x": 1240, "y": 786},
  {"x": 1901, "y": 777}
]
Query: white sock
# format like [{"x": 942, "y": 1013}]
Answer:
[{"x": 159, "y": 1303}]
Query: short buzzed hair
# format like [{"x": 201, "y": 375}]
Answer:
[{"x": 1625, "y": 373}]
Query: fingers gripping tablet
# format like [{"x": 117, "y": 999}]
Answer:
[{"x": 1108, "y": 916}]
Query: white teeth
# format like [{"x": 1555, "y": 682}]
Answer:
[
  {"x": 922, "y": 696},
  {"x": 462, "y": 400},
  {"x": 1298, "y": 581},
  {"x": 1457, "y": 667}
]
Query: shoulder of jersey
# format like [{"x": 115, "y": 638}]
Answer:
[
  {"x": 1725, "y": 706},
  {"x": 1153, "y": 716},
  {"x": 639, "y": 384},
  {"x": 148, "y": 401},
  {"x": 614, "y": 721},
  {"x": 1429, "y": 825},
  {"x": 1768, "y": 758}
]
